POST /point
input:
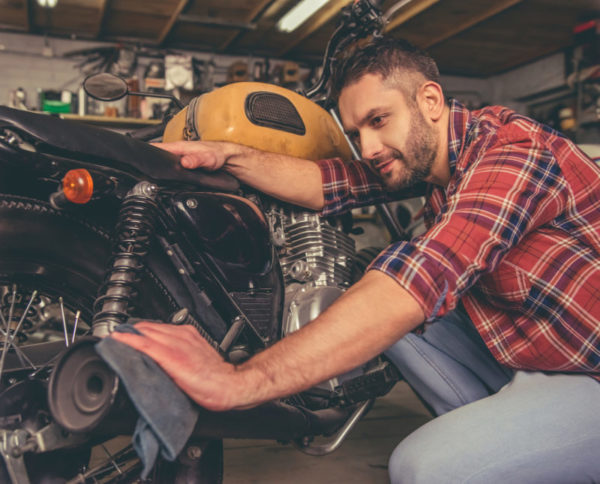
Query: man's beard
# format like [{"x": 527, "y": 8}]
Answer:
[{"x": 421, "y": 149}]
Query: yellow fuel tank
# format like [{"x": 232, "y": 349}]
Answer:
[{"x": 262, "y": 116}]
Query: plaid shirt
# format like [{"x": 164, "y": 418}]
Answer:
[{"x": 515, "y": 236}]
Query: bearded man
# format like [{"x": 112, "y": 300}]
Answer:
[{"x": 492, "y": 315}]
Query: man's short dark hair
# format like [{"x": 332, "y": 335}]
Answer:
[{"x": 385, "y": 56}]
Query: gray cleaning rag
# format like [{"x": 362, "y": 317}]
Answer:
[{"x": 167, "y": 415}]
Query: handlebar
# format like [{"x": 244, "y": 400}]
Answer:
[{"x": 360, "y": 19}]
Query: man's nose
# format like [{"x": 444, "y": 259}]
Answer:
[{"x": 370, "y": 145}]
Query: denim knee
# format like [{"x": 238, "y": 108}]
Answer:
[
  {"x": 411, "y": 464},
  {"x": 429, "y": 455},
  {"x": 442, "y": 383}
]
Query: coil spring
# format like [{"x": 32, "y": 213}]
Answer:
[{"x": 134, "y": 228}]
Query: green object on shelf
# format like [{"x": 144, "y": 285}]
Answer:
[{"x": 52, "y": 106}]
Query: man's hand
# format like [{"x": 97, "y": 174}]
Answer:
[
  {"x": 189, "y": 360},
  {"x": 284, "y": 177},
  {"x": 208, "y": 155}
]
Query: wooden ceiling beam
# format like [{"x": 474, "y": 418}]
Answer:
[
  {"x": 480, "y": 17},
  {"x": 324, "y": 15},
  {"x": 274, "y": 8},
  {"x": 101, "y": 16},
  {"x": 171, "y": 22},
  {"x": 412, "y": 10},
  {"x": 260, "y": 6}
]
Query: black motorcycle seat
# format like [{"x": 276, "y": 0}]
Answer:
[{"x": 93, "y": 144}]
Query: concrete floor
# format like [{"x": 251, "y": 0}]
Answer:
[{"x": 362, "y": 458}]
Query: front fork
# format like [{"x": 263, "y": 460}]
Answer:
[{"x": 134, "y": 229}]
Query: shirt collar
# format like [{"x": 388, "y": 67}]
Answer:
[{"x": 461, "y": 121}]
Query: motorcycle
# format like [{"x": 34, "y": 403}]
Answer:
[{"x": 97, "y": 227}]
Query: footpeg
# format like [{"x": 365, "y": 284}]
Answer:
[{"x": 376, "y": 382}]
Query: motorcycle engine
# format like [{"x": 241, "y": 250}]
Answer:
[{"x": 316, "y": 258}]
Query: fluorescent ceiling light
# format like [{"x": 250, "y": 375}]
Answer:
[
  {"x": 298, "y": 15},
  {"x": 47, "y": 3}
]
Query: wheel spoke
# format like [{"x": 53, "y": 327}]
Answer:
[
  {"x": 23, "y": 358},
  {"x": 36, "y": 324},
  {"x": 123, "y": 456},
  {"x": 77, "y": 314},
  {"x": 47, "y": 365},
  {"x": 8, "y": 339},
  {"x": 111, "y": 459},
  {"x": 16, "y": 331},
  {"x": 64, "y": 320},
  {"x": 12, "y": 304},
  {"x": 7, "y": 330}
]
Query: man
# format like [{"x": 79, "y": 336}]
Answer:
[{"x": 503, "y": 288}]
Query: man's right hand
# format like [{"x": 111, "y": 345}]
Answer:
[
  {"x": 208, "y": 155},
  {"x": 290, "y": 179}
]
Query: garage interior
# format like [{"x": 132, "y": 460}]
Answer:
[{"x": 539, "y": 57}]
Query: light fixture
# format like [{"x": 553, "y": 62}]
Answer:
[
  {"x": 298, "y": 15},
  {"x": 47, "y": 3}
]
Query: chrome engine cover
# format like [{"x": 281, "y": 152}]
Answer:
[
  {"x": 311, "y": 249},
  {"x": 316, "y": 258}
]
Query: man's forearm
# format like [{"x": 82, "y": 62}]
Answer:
[
  {"x": 289, "y": 179},
  {"x": 365, "y": 321},
  {"x": 284, "y": 177}
]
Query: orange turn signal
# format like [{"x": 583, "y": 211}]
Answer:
[{"x": 78, "y": 185}]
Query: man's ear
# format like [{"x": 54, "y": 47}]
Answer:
[{"x": 431, "y": 99}]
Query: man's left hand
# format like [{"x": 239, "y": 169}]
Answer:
[{"x": 189, "y": 360}]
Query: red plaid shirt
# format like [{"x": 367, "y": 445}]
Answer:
[{"x": 515, "y": 236}]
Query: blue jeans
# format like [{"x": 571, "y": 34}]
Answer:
[{"x": 495, "y": 425}]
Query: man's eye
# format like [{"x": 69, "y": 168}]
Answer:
[{"x": 377, "y": 120}]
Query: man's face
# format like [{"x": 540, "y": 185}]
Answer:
[{"x": 390, "y": 131}]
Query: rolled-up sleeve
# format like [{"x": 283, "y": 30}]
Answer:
[
  {"x": 493, "y": 205},
  {"x": 347, "y": 185}
]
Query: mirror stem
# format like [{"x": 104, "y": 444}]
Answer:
[{"x": 165, "y": 96}]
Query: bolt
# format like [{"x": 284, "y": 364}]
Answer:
[
  {"x": 182, "y": 271},
  {"x": 194, "y": 452},
  {"x": 191, "y": 203},
  {"x": 149, "y": 189},
  {"x": 180, "y": 316}
]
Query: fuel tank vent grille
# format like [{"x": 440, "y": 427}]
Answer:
[{"x": 274, "y": 111}]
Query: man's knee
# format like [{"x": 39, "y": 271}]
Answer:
[
  {"x": 439, "y": 451},
  {"x": 414, "y": 462},
  {"x": 440, "y": 381}
]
